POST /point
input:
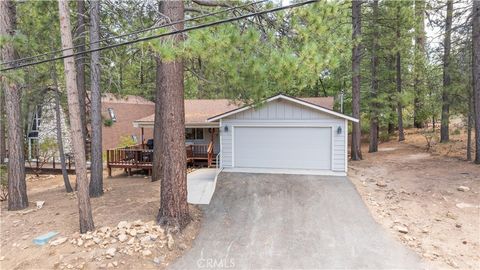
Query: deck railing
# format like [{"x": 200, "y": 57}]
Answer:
[{"x": 137, "y": 157}]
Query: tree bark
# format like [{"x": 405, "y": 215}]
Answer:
[
  {"x": 3, "y": 145},
  {"x": 78, "y": 142},
  {"x": 58, "y": 123},
  {"x": 157, "y": 127},
  {"x": 476, "y": 75},
  {"x": 96, "y": 168},
  {"x": 356, "y": 152},
  {"x": 17, "y": 188},
  {"x": 419, "y": 63},
  {"x": 173, "y": 192},
  {"x": 373, "y": 146},
  {"x": 80, "y": 40},
  {"x": 401, "y": 133},
  {"x": 444, "y": 130}
]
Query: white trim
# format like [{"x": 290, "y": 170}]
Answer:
[
  {"x": 220, "y": 132},
  {"x": 292, "y": 125},
  {"x": 285, "y": 171},
  {"x": 149, "y": 124},
  {"x": 345, "y": 134},
  {"x": 301, "y": 102}
]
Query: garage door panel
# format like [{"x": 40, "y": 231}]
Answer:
[{"x": 282, "y": 147}]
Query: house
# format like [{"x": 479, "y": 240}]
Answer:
[
  {"x": 118, "y": 113},
  {"x": 283, "y": 134}
]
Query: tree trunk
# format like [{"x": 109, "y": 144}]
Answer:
[
  {"x": 80, "y": 40},
  {"x": 3, "y": 145},
  {"x": 444, "y": 131},
  {"x": 373, "y": 146},
  {"x": 173, "y": 192},
  {"x": 78, "y": 142},
  {"x": 356, "y": 152},
  {"x": 419, "y": 64},
  {"x": 96, "y": 168},
  {"x": 17, "y": 188},
  {"x": 157, "y": 127},
  {"x": 476, "y": 75},
  {"x": 58, "y": 122},
  {"x": 401, "y": 134}
]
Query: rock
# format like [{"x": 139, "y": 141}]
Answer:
[
  {"x": 466, "y": 205},
  {"x": 39, "y": 204},
  {"x": 69, "y": 266},
  {"x": 115, "y": 263},
  {"x": 122, "y": 238},
  {"x": 463, "y": 188},
  {"x": 153, "y": 236},
  {"x": 138, "y": 223},
  {"x": 158, "y": 260},
  {"x": 58, "y": 241},
  {"x": 79, "y": 242},
  {"x": 104, "y": 229},
  {"x": 146, "y": 239},
  {"x": 88, "y": 244},
  {"x": 401, "y": 228},
  {"x": 97, "y": 240},
  {"x": 2, "y": 258},
  {"x": 111, "y": 252},
  {"x": 110, "y": 265},
  {"x": 182, "y": 246},
  {"x": 458, "y": 225},
  {"x": 381, "y": 183},
  {"x": 131, "y": 241},
  {"x": 123, "y": 225},
  {"x": 146, "y": 253},
  {"x": 451, "y": 215},
  {"x": 132, "y": 232},
  {"x": 425, "y": 230},
  {"x": 170, "y": 241}
]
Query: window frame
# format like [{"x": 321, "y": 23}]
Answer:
[{"x": 198, "y": 134}]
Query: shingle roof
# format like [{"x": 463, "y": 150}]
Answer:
[{"x": 199, "y": 110}]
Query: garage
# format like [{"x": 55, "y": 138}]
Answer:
[
  {"x": 284, "y": 134},
  {"x": 282, "y": 147}
]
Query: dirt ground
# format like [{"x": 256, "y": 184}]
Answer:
[
  {"x": 126, "y": 199},
  {"x": 410, "y": 190}
]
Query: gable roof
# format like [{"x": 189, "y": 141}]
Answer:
[
  {"x": 198, "y": 111},
  {"x": 300, "y": 101}
]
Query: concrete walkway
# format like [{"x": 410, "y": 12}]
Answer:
[
  {"x": 201, "y": 185},
  {"x": 265, "y": 221}
]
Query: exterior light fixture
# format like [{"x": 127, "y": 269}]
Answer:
[
  {"x": 339, "y": 130},
  {"x": 225, "y": 129}
]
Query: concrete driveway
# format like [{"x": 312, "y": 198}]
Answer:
[{"x": 259, "y": 221}]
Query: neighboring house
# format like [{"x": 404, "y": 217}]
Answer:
[
  {"x": 118, "y": 114},
  {"x": 42, "y": 128},
  {"x": 284, "y": 134}
]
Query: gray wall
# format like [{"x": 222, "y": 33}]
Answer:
[
  {"x": 206, "y": 140},
  {"x": 284, "y": 112}
]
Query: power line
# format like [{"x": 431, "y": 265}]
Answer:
[
  {"x": 196, "y": 27},
  {"x": 137, "y": 32}
]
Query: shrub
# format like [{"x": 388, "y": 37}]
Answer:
[
  {"x": 3, "y": 183},
  {"x": 126, "y": 141},
  {"x": 108, "y": 122}
]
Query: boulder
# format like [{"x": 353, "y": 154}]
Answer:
[
  {"x": 146, "y": 253},
  {"x": 58, "y": 241},
  {"x": 401, "y": 228},
  {"x": 122, "y": 238},
  {"x": 110, "y": 252},
  {"x": 463, "y": 188},
  {"x": 123, "y": 225},
  {"x": 381, "y": 183}
]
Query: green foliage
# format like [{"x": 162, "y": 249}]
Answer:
[
  {"x": 108, "y": 122},
  {"x": 3, "y": 183},
  {"x": 126, "y": 141}
]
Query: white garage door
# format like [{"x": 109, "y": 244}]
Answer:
[{"x": 283, "y": 147}]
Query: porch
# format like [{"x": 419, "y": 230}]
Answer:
[{"x": 140, "y": 157}]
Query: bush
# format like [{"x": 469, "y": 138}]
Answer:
[
  {"x": 3, "y": 183},
  {"x": 108, "y": 122},
  {"x": 126, "y": 141}
]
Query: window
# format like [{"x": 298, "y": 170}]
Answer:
[
  {"x": 112, "y": 114},
  {"x": 194, "y": 133}
]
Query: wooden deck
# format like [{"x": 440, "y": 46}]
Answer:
[{"x": 138, "y": 157}]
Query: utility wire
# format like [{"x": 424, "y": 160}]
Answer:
[
  {"x": 137, "y": 32},
  {"x": 201, "y": 26}
]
